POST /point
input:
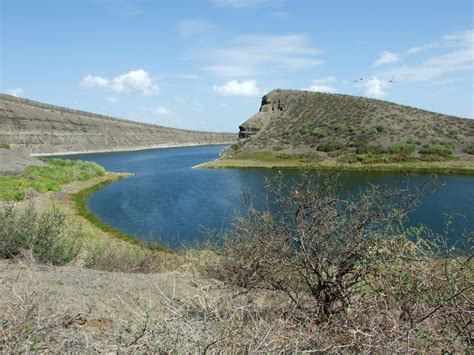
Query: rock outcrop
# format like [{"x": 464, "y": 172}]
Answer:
[
  {"x": 292, "y": 121},
  {"x": 46, "y": 129}
]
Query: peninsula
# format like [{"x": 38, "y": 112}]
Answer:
[{"x": 302, "y": 129}]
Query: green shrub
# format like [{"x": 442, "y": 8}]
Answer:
[
  {"x": 450, "y": 144},
  {"x": 306, "y": 128},
  {"x": 339, "y": 127},
  {"x": 352, "y": 130},
  {"x": 437, "y": 150},
  {"x": 4, "y": 145},
  {"x": 319, "y": 132},
  {"x": 347, "y": 158},
  {"x": 330, "y": 146},
  {"x": 372, "y": 158},
  {"x": 383, "y": 128},
  {"x": 403, "y": 148},
  {"x": 469, "y": 149},
  {"x": 44, "y": 235}
]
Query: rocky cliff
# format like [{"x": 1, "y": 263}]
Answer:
[{"x": 47, "y": 129}]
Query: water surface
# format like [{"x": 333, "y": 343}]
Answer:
[{"x": 168, "y": 199}]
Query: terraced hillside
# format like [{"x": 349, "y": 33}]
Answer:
[
  {"x": 47, "y": 129},
  {"x": 349, "y": 129}
]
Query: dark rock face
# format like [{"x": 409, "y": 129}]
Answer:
[
  {"x": 271, "y": 105},
  {"x": 47, "y": 129}
]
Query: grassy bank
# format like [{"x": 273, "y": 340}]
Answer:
[
  {"x": 269, "y": 160},
  {"x": 80, "y": 202},
  {"x": 47, "y": 178}
]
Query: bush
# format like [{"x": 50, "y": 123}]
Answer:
[
  {"x": 383, "y": 128},
  {"x": 346, "y": 265},
  {"x": 469, "y": 149},
  {"x": 306, "y": 128},
  {"x": 44, "y": 235},
  {"x": 436, "y": 150},
  {"x": 330, "y": 146},
  {"x": 4, "y": 146},
  {"x": 319, "y": 132},
  {"x": 403, "y": 148}
]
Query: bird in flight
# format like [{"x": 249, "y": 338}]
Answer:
[
  {"x": 356, "y": 81},
  {"x": 391, "y": 81}
]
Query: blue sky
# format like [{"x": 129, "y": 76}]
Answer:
[{"x": 205, "y": 64}]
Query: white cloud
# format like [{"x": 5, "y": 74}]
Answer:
[
  {"x": 375, "y": 86},
  {"x": 253, "y": 55},
  {"x": 387, "y": 57},
  {"x": 135, "y": 81},
  {"x": 458, "y": 57},
  {"x": 18, "y": 92},
  {"x": 458, "y": 48},
  {"x": 195, "y": 27},
  {"x": 321, "y": 88},
  {"x": 89, "y": 82},
  {"x": 318, "y": 87},
  {"x": 234, "y": 88}
]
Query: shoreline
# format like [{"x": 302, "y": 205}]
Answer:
[
  {"x": 444, "y": 168},
  {"x": 119, "y": 150},
  {"x": 82, "y": 209}
]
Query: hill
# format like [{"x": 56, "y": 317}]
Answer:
[
  {"x": 47, "y": 129},
  {"x": 316, "y": 127}
]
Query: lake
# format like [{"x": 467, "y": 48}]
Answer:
[{"x": 168, "y": 199}]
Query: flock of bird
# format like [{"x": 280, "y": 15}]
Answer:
[{"x": 361, "y": 79}]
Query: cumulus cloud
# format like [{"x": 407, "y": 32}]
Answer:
[
  {"x": 135, "y": 81},
  {"x": 90, "y": 81},
  {"x": 387, "y": 57},
  {"x": 375, "y": 87},
  {"x": 234, "y": 88},
  {"x": 253, "y": 55},
  {"x": 18, "y": 92}
]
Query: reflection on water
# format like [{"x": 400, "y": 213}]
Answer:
[{"x": 167, "y": 198}]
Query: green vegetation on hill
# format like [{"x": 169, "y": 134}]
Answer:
[
  {"x": 47, "y": 178},
  {"x": 4, "y": 145},
  {"x": 351, "y": 130}
]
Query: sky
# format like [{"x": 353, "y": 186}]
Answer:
[{"x": 205, "y": 64}]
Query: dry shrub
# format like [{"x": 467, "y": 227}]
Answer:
[
  {"x": 123, "y": 257},
  {"x": 347, "y": 266}
]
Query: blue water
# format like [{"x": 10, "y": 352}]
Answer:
[{"x": 167, "y": 200}]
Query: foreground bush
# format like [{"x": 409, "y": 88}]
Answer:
[
  {"x": 347, "y": 269},
  {"x": 43, "y": 235}
]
